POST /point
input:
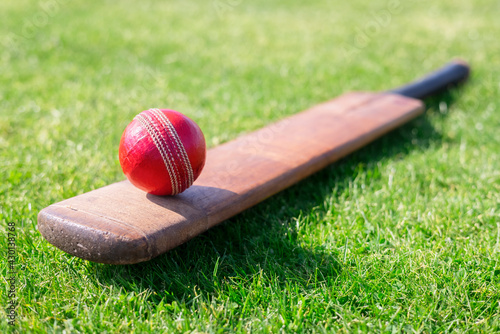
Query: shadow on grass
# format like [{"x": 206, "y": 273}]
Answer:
[{"x": 262, "y": 244}]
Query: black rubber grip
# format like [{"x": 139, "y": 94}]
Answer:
[{"x": 450, "y": 75}]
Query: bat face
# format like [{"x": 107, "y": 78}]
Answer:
[{"x": 120, "y": 224}]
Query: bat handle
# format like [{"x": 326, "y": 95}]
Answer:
[{"x": 449, "y": 75}]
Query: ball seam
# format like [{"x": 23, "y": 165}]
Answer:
[
  {"x": 163, "y": 149},
  {"x": 180, "y": 145}
]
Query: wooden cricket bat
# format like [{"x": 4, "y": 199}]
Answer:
[{"x": 120, "y": 224}]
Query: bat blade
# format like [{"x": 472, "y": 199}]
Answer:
[{"x": 120, "y": 224}]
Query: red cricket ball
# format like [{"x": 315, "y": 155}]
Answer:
[{"x": 162, "y": 151}]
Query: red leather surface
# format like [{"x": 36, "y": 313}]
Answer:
[{"x": 143, "y": 163}]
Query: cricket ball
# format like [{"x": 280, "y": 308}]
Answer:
[{"x": 162, "y": 151}]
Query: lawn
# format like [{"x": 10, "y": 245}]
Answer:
[{"x": 401, "y": 236}]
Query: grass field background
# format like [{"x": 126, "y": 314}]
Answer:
[{"x": 402, "y": 236}]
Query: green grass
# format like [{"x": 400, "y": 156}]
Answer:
[{"x": 402, "y": 236}]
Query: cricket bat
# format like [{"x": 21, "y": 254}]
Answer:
[{"x": 120, "y": 224}]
